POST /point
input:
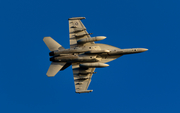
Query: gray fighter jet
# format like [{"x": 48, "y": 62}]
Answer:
[{"x": 84, "y": 55}]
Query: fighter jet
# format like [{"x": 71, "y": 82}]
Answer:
[{"x": 84, "y": 54}]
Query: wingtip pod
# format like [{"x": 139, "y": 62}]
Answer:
[
  {"x": 84, "y": 91},
  {"x": 76, "y": 18}
]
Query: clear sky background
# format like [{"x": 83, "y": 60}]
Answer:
[{"x": 148, "y": 82}]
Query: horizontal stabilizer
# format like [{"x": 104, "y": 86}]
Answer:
[
  {"x": 65, "y": 66},
  {"x": 85, "y": 91},
  {"x": 54, "y": 68},
  {"x": 52, "y": 44}
]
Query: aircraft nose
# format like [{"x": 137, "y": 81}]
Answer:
[{"x": 143, "y": 49}]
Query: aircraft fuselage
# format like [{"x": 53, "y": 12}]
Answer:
[{"x": 90, "y": 55}]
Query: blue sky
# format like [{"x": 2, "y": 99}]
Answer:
[{"x": 141, "y": 83}]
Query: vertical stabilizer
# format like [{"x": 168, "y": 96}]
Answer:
[{"x": 52, "y": 44}]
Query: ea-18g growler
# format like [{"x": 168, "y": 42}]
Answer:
[{"x": 84, "y": 55}]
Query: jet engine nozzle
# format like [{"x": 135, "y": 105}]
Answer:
[
  {"x": 52, "y": 59},
  {"x": 51, "y": 53}
]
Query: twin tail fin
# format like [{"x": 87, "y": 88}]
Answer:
[{"x": 52, "y": 44}]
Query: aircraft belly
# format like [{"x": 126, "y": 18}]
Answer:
[
  {"x": 107, "y": 58},
  {"x": 78, "y": 60},
  {"x": 103, "y": 46}
]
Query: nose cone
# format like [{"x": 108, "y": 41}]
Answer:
[{"x": 143, "y": 49}]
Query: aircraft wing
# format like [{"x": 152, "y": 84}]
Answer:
[
  {"x": 77, "y": 31},
  {"x": 82, "y": 78}
]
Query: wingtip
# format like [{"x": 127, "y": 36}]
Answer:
[
  {"x": 76, "y": 18},
  {"x": 50, "y": 75},
  {"x": 84, "y": 91}
]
